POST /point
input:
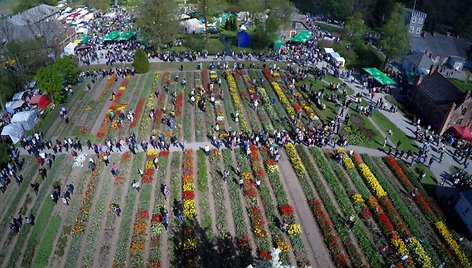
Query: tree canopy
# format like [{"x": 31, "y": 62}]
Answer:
[
  {"x": 157, "y": 19},
  {"x": 68, "y": 68},
  {"x": 141, "y": 61},
  {"x": 356, "y": 27},
  {"x": 53, "y": 78},
  {"x": 27, "y": 4},
  {"x": 394, "y": 37},
  {"x": 49, "y": 79}
]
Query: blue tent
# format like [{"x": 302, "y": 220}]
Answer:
[{"x": 244, "y": 39}]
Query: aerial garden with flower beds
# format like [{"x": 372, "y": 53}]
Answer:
[{"x": 316, "y": 211}]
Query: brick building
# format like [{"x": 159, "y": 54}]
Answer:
[{"x": 439, "y": 103}]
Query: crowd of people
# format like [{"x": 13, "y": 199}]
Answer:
[{"x": 303, "y": 60}]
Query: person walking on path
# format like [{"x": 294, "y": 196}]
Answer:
[
  {"x": 114, "y": 170},
  {"x": 431, "y": 160},
  {"x": 136, "y": 185},
  {"x": 385, "y": 141},
  {"x": 421, "y": 176},
  {"x": 225, "y": 176},
  {"x": 105, "y": 160}
]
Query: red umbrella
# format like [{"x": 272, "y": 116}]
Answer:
[{"x": 463, "y": 132}]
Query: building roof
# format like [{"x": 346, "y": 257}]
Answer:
[
  {"x": 468, "y": 196},
  {"x": 441, "y": 91},
  {"x": 33, "y": 15},
  {"x": 416, "y": 13},
  {"x": 420, "y": 60},
  {"x": 49, "y": 30},
  {"x": 440, "y": 45}
]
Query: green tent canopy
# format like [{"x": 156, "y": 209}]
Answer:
[
  {"x": 221, "y": 19},
  {"x": 410, "y": 77},
  {"x": 382, "y": 78},
  {"x": 278, "y": 43},
  {"x": 112, "y": 36},
  {"x": 84, "y": 39},
  {"x": 142, "y": 40},
  {"x": 126, "y": 36},
  {"x": 301, "y": 37}
]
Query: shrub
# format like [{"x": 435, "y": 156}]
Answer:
[{"x": 141, "y": 62}]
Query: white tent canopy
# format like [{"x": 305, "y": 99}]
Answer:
[
  {"x": 340, "y": 60},
  {"x": 193, "y": 26},
  {"x": 82, "y": 30},
  {"x": 25, "y": 119},
  {"x": 110, "y": 15},
  {"x": 14, "y": 131},
  {"x": 184, "y": 17},
  {"x": 12, "y": 105},
  {"x": 70, "y": 49},
  {"x": 328, "y": 50}
]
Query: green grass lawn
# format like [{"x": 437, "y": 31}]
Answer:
[
  {"x": 398, "y": 135},
  {"x": 6, "y": 6},
  {"x": 329, "y": 27},
  {"x": 464, "y": 85}
]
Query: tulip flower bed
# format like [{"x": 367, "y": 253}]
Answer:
[
  {"x": 247, "y": 104},
  {"x": 82, "y": 219},
  {"x": 100, "y": 207},
  {"x": 410, "y": 174},
  {"x": 404, "y": 218},
  {"x": 218, "y": 192},
  {"x": 237, "y": 101},
  {"x": 126, "y": 229},
  {"x": 254, "y": 209},
  {"x": 138, "y": 111},
  {"x": 271, "y": 211},
  {"x": 387, "y": 227},
  {"x": 452, "y": 243},
  {"x": 283, "y": 99},
  {"x": 32, "y": 234},
  {"x": 286, "y": 210},
  {"x": 113, "y": 108},
  {"x": 190, "y": 241},
  {"x": 369, "y": 178},
  {"x": 224, "y": 223},
  {"x": 157, "y": 228},
  {"x": 241, "y": 229},
  {"x": 332, "y": 240},
  {"x": 343, "y": 200},
  {"x": 419, "y": 199},
  {"x": 203, "y": 189},
  {"x": 341, "y": 228}
]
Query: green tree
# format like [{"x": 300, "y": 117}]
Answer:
[
  {"x": 10, "y": 83},
  {"x": 29, "y": 56},
  {"x": 157, "y": 20},
  {"x": 356, "y": 27},
  {"x": 50, "y": 80},
  {"x": 394, "y": 38},
  {"x": 4, "y": 157},
  {"x": 67, "y": 66},
  {"x": 100, "y": 4},
  {"x": 141, "y": 61},
  {"x": 27, "y": 4}
]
